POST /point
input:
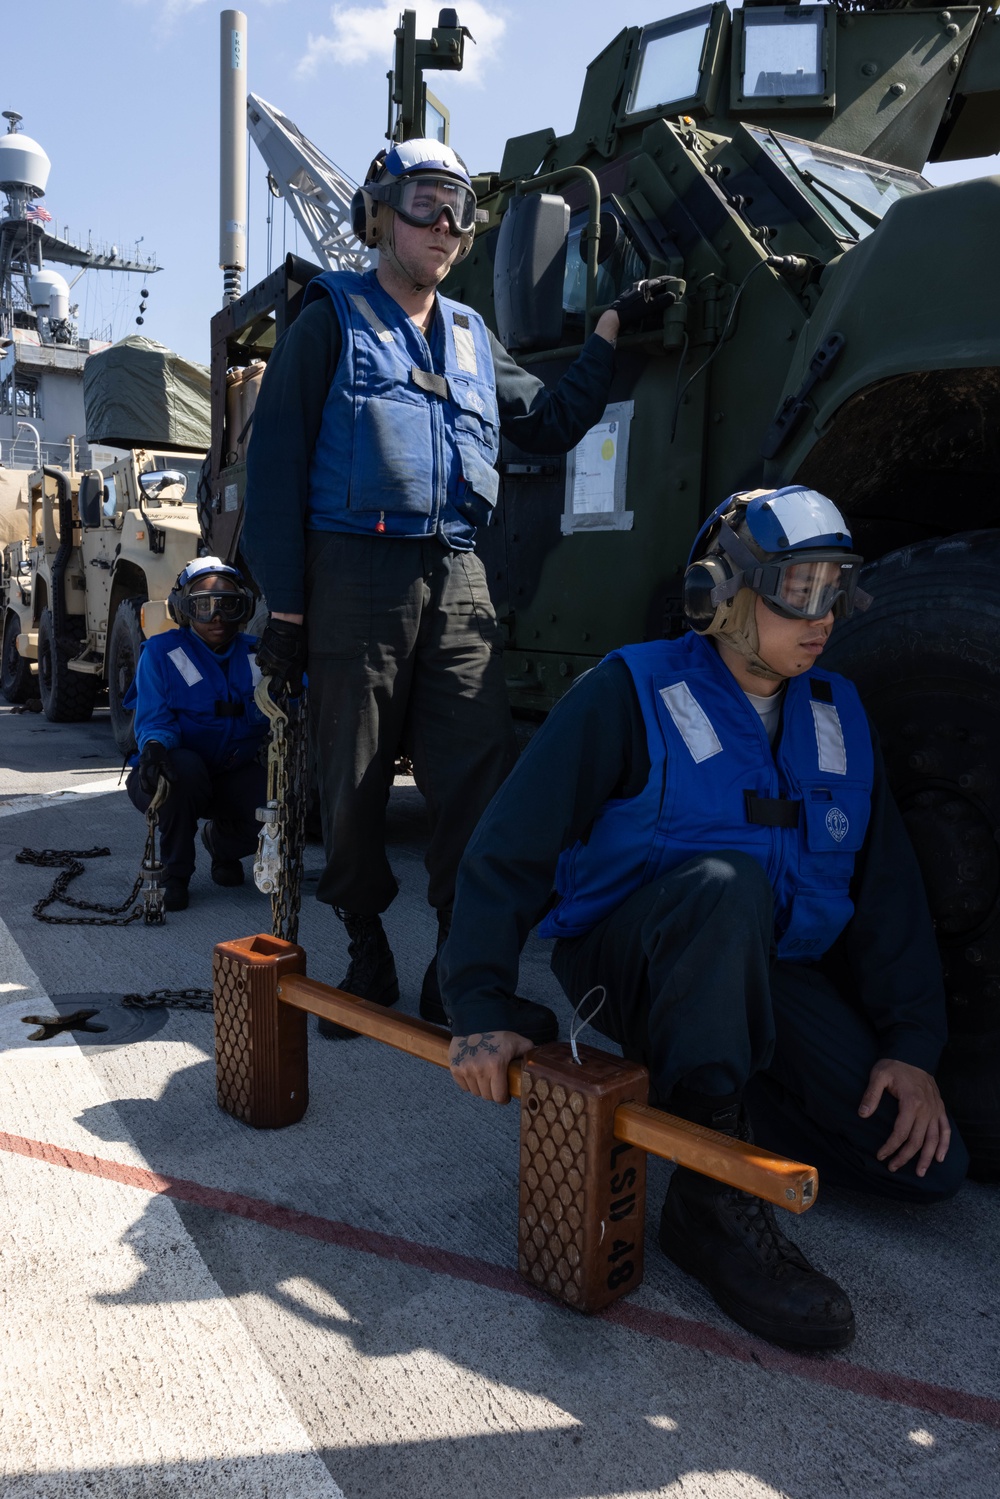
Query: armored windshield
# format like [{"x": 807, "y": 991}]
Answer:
[
  {"x": 670, "y": 62},
  {"x": 783, "y": 53},
  {"x": 851, "y": 193}
]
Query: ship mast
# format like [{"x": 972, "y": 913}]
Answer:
[{"x": 26, "y": 241}]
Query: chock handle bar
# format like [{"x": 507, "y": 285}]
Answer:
[{"x": 787, "y": 1184}]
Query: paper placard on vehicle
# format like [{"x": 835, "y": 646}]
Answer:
[{"x": 596, "y": 474}]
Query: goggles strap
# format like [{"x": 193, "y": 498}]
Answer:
[{"x": 735, "y": 548}]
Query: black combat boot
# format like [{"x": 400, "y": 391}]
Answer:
[
  {"x": 228, "y": 872},
  {"x": 730, "y": 1241},
  {"x": 175, "y": 893},
  {"x": 371, "y": 973},
  {"x": 538, "y": 1023}
]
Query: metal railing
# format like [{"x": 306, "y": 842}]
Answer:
[{"x": 26, "y": 451}]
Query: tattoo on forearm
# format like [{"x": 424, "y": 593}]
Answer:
[{"x": 469, "y": 1048}]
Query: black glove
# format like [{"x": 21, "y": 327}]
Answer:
[
  {"x": 642, "y": 298},
  {"x": 281, "y": 654},
  {"x": 155, "y": 762}
]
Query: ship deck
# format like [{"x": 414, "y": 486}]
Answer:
[{"x": 192, "y": 1306}]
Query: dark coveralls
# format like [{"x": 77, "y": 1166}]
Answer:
[
  {"x": 200, "y": 706},
  {"x": 693, "y": 989},
  {"x": 404, "y": 645}
]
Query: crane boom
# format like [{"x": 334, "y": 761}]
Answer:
[{"x": 317, "y": 191}]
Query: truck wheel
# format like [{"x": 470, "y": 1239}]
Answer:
[
  {"x": 123, "y": 658},
  {"x": 67, "y": 696},
  {"x": 15, "y": 674},
  {"x": 926, "y": 660}
]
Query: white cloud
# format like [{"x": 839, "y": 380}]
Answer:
[
  {"x": 168, "y": 14},
  {"x": 169, "y": 10},
  {"x": 362, "y": 32}
]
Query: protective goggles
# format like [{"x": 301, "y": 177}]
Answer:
[
  {"x": 808, "y": 588},
  {"x": 230, "y": 607},
  {"x": 421, "y": 200}
]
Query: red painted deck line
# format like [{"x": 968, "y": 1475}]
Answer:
[{"x": 853, "y": 1379}]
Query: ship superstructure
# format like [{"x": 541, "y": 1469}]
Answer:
[{"x": 41, "y": 352}]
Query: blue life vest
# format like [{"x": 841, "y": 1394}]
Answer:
[
  {"x": 715, "y": 784},
  {"x": 403, "y": 448},
  {"x": 188, "y": 696}
]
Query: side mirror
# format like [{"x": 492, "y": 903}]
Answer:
[
  {"x": 164, "y": 484},
  {"x": 529, "y": 271},
  {"x": 89, "y": 498}
]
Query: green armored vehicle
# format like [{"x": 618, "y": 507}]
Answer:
[
  {"x": 833, "y": 320},
  {"x": 836, "y": 323}
]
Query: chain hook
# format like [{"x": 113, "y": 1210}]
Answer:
[
  {"x": 153, "y": 913},
  {"x": 277, "y": 869}
]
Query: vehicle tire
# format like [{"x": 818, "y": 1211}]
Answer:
[
  {"x": 67, "y": 696},
  {"x": 926, "y": 660},
  {"x": 123, "y": 658},
  {"x": 16, "y": 681}
]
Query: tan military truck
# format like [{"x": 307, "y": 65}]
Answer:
[
  {"x": 105, "y": 545},
  {"x": 93, "y": 580}
]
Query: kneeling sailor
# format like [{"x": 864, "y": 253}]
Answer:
[{"x": 197, "y": 725}]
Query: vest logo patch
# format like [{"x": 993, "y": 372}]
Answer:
[
  {"x": 837, "y": 825},
  {"x": 476, "y": 401}
]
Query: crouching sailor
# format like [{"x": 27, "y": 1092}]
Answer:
[
  {"x": 197, "y": 725},
  {"x": 731, "y": 870}
]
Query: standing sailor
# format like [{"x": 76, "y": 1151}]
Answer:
[{"x": 372, "y": 466}]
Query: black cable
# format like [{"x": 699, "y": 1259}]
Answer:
[
  {"x": 722, "y": 338},
  {"x": 678, "y": 391}
]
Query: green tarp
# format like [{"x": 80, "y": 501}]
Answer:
[{"x": 138, "y": 393}]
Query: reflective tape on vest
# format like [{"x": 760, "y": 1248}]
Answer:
[
  {"x": 185, "y": 666},
  {"x": 465, "y": 348},
  {"x": 831, "y": 750},
  {"x": 372, "y": 318},
  {"x": 692, "y": 722}
]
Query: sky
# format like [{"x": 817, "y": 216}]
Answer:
[{"x": 123, "y": 97}]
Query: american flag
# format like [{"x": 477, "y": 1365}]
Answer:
[{"x": 37, "y": 215}]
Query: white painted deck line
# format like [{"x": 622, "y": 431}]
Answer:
[
  {"x": 122, "y": 1356},
  {"x": 9, "y": 808}
]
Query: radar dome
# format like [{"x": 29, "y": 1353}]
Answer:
[
  {"x": 49, "y": 294},
  {"x": 23, "y": 164}
]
